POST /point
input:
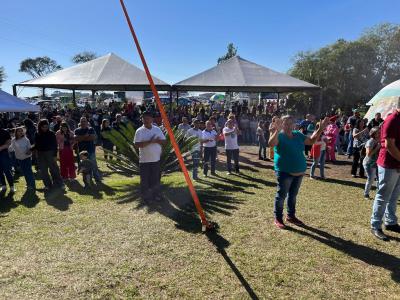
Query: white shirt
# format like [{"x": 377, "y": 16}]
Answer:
[
  {"x": 152, "y": 152},
  {"x": 21, "y": 147},
  {"x": 184, "y": 127},
  {"x": 209, "y": 135},
  {"x": 231, "y": 140},
  {"x": 197, "y": 133}
]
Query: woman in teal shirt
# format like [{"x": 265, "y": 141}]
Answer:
[{"x": 290, "y": 165}]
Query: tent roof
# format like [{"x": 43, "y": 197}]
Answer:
[
  {"x": 109, "y": 72},
  {"x": 9, "y": 103},
  {"x": 240, "y": 75}
]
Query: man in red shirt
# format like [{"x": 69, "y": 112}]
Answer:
[{"x": 388, "y": 193}]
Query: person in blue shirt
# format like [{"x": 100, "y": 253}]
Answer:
[{"x": 290, "y": 165}]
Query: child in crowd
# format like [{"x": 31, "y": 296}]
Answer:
[
  {"x": 318, "y": 154},
  {"x": 86, "y": 168},
  {"x": 372, "y": 147}
]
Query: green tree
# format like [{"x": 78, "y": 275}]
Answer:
[
  {"x": 39, "y": 66},
  {"x": 83, "y": 57},
  {"x": 350, "y": 72},
  {"x": 2, "y": 75},
  {"x": 231, "y": 52}
]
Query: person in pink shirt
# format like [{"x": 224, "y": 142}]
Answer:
[{"x": 331, "y": 133}]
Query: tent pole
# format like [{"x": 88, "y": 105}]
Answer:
[
  {"x": 170, "y": 103},
  {"x": 277, "y": 102},
  {"x": 44, "y": 93},
  {"x": 14, "y": 90},
  {"x": 93, "y": 93},
  {"x": 73, "y": 98}
]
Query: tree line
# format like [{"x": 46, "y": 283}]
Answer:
[{"x": 350, "y": 73}]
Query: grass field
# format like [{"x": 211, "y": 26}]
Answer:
[{"x": 107, "y": 244}]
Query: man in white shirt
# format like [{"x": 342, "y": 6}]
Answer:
[
  {"x": 209, "y": 140},
  {"x": 149, "y": 139},
  {"x": 231, "y": 145},
  {"x": 196, "y": 150}
]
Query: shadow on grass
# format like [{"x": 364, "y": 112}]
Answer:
[
  {"x": 361, "y": 252},
  {"x": 176, "y": 204},
  {"x": 93, "y": 191},
  {"x": 225, "y": 187},
  {"x": 221, "y": 244},
  {"x": 58, "y": 199},
  {"x": 345, "y": 182},
  {"x": 7, "y": 202},
  {"x": 256, "y": 179}
]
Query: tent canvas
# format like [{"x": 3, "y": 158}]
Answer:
[
  {"x": 9, "y": 103},
  {"x": 106, "y": 73},
  {"x": 240, "y": 75}
]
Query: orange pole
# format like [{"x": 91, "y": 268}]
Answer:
[{"x": 166, "y": 123}]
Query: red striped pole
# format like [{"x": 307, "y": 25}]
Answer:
[{"x": 205, "y": 223}]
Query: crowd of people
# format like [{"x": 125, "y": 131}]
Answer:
[{"x": 71, "y": 136}]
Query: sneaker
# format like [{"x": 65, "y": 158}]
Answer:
[
  {"x": 294, "y": 221},
  {"x": 394, "y": 228},
  {"x": 312, "y": 177},
  {"x": 378, "y": 233},
  {"x": 367, "y": 197},
  {"x": 13, "y": 189},
  {"x": 279, "y": 224}
]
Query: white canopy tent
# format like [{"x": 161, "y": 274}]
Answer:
[{"x": 9, "y": 103}]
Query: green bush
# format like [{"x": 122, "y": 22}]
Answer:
[{"x": 126, "y": 160}]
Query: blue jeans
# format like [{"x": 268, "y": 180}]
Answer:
[
  {"x": 371, "y": 175},
  {"x": 321, "y": 162},
  {"x": 288, "y": 186},
  {"x": 210, "y": 154},
  {"x": 196, "y": 160},
  {"x": 350, "y": 145},
  {"x": 26, "y": 168},
  {"x": 5, "y": 168},
  {"x": 385, "y": 202},
  {"x": 96, "y": 172}
]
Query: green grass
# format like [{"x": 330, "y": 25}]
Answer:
[{"x": 107, "y": 244}]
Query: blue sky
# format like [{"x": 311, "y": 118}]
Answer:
[{"x": 180, "y": 37}]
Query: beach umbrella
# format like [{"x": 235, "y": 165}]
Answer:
[
  {"x": 217, "y": 98},
  {"x": 385, "y": 101}
]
